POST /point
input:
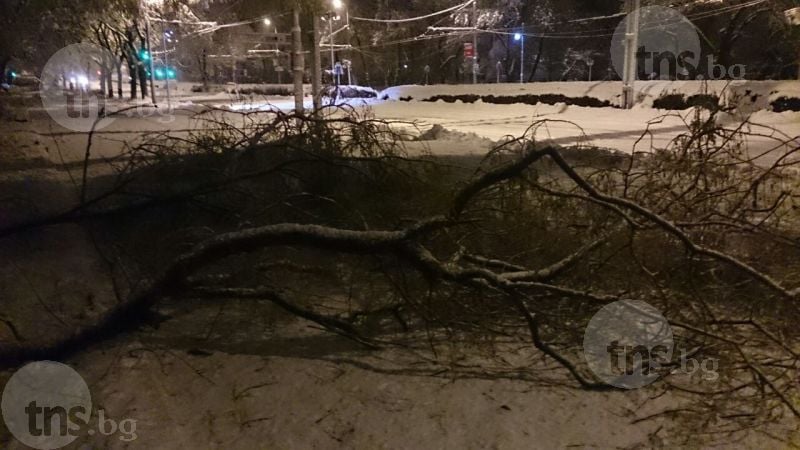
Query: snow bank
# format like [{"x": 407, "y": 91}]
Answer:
[{"x": 760, "y": 93}]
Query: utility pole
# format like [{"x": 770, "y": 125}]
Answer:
[
  {"x": 522, "y": 56},
  {"x": 166, "y": 70},
  {"x": 333, "y": 54},
  {"x": 149, "y": 54},
  {"x": 298, "y": 64},
  {"x": 475, "y": 42},
  {"x": 521, "y": 38},
  {"x": 631, "y": 47},
  {"x": 316, "y": 81}
]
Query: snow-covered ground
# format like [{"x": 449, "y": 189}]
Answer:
[
  {"x": 307, "y": 391},
  {"x": 607, "y": 127},
  {"x": 604, "y": 127},
  {"x": 647, "y": 91}
]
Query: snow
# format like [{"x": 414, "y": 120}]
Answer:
[
  {"x": 604, "y": 90},
  {"x": 296, "y": 387},
  {"x": 340, "y": 399},
  {"x": 567, "y": 125},
  {"x": 607, "y": 127},
  {"x": 611, "y": 128}
]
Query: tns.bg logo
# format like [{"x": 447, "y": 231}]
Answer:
[
  {"x": 70, "y": 87},
  {"x": 627, "y": 343},
  {"x": 630, "y": 360},
  {"x": 47, "y": 405},
  {"x": 668, "y": 48}
]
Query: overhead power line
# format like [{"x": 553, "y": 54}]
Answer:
[
  {"x": 609, "y": 32},
  {"x": 413, "y": 19}
]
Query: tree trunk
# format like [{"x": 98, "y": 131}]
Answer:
[
  {"x": 536, "y": 62},
  {"x": 119, "y": 78},
  {"x": 798, "y": 65},
  {"x": 132, "y": 71},
  {"x": 204, "y": 69},
  {"x": 103, "y": 79},
  {"x": 143, "y": 80},
  {"x": 110, "y": 80},
  {"x": 3, "y": 67}
]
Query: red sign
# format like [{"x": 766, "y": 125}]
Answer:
[{"x": 469, "y": 50}]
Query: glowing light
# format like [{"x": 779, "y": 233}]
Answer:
[
  {"x": 517, "y": 36},
  {"x": 337, "y": 4},
  {"x": 267, "y": 22}
]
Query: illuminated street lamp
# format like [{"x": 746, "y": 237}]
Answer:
[
  {"x": 267, "y": 22},
  {"x": 521, "y": 39},
  {"x": 337, "y": 5},
  {"x": 167, "y": 37}
]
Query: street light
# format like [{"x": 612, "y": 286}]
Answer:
[
  {"x": 167, "y": 37},
  {"x": 143, "y": 4},
  {"x": 337, "y": 5},
  {"x": 267, "y": 22},
  {"x": 521, "y": 38}
]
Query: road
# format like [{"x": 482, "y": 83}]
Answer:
[{"x": 626, "y": 131}]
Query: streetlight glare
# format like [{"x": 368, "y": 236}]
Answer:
[
  {"x": 517, "y": 36},
  {"x": 337, "y": 4},
  {"x": 267, "y": 22}
]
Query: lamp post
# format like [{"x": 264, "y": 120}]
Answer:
[
  {"x": 167, "y": 35},
  {"x": 149, "y": 50},
  {"x": 337, "y": 5},
  {"x": 329, "y": 16},
  {"x": 521, "y": 39},
  {"x": 633, "y": 8},
  {"x": 276, "y": 59},
  {"x": 475, "y": 66},
  {"x": 298, "y": 64}
]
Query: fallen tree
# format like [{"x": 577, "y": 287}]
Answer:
[{"x": 522, "y": 252}]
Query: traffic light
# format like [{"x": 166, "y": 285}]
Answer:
[{"x": 144, "y": 55}]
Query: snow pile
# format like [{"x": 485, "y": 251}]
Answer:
[
  {"x": 759, "y": 93},
  {"x": 440, "y": 141}
]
